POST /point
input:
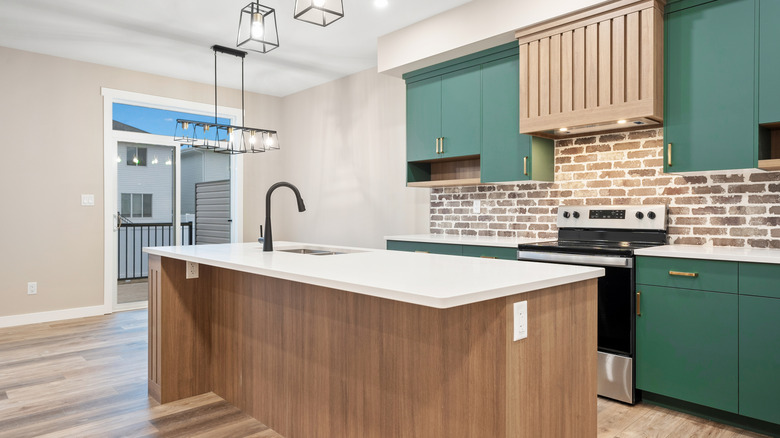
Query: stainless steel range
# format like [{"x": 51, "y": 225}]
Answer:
[{"x": 607, "y": 236}]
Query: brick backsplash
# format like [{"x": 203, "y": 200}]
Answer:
[{"x": 723, "y": 208}]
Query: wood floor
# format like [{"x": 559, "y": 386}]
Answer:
[{"x": 87, "y": 378}]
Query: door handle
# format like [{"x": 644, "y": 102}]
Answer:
[
  {"x": 638, "y": 300},
  {"x": 669, "y": 155}
]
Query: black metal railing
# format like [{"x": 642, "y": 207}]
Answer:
[{"x": 133, "y": 262}]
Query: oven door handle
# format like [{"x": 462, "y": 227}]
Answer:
[{"x": 576, "y": 259}]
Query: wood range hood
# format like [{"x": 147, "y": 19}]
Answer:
[{"x": 599, "y": 69}]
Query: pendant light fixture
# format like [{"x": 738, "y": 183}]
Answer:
[
  {"x": 257, "y": 28},
  {"x": 224, "y": 138},
  {"x": 319, "y": 12}
]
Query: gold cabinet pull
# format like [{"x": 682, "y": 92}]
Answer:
[
  {"x": 441, "y": 148},
  {"x": 669, "y": 154},
  {"x": 423, "y": 252},
  {"x": 487, "y": 257},
  {"x": 437, "y": 145},
  {"x": 638, "y": 300},
  {"x": 684, "y": 274},
  {"x": 525, "y": 166}
]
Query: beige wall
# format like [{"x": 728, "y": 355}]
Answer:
[
  {"x": 51, "y": 120},
  {"x": 343, "y": 145}
]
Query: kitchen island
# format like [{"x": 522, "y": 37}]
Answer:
[{"x": 377, "y": 343}]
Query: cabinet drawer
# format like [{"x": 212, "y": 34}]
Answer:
[
  {"x": 490, "y": 252},
  {"x": 433, "y": 248},
  {"x": 759, "y": 279},
  {"x": 710, "y": 275}
]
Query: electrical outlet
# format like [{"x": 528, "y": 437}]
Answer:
[
  {"x": 32, "y": 288},
  {"x": 521, "y": 320},
  {"x": 475, "y": 209},
  {"x": 192, "y": 270}
]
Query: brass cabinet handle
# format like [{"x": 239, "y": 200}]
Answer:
[
  {"x": 638, "y": 300},
  {"x": 423, "y": 252},
  {"x": 684, "y": 274},
  {"x": 669, "y": 154},
  {"x": 525, "y": 166},
  {"x": 437, "y": 145},
  {"x": 441, "y": 148},
  {"x": 487, "y": 257}
]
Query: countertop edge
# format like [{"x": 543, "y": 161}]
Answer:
[
  {"x": 444, "y": 239},
  {"x": 728, "y": 254}
]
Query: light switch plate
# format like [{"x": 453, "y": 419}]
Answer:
[
  {"x": 88, "y": 200},
  {"x": 521, "y": 320},
  {"x": 475, "y": 208}
]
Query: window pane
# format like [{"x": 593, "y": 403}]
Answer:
[
  {"x": 142, "y": 156},
  {"x": 130, "y": 155},
  {"x": 125, "y": 210},
  {"x": 133, "y": 118},
  {"x": 148, "y": 205},
  {"x": 137, "y": 205}
]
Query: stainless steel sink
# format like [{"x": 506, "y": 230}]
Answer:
[{"x": 310, "y": 251}]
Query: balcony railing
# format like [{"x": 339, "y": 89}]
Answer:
[{"x": 133, "y": 262}]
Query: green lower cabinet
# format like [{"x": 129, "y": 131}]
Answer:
[
  {"x": 759, "y": 279},
  {"x": 432, "y": 248},
  {"x": 759, "y": 358},
  {"x": 710, "y": 275},
  {"x": 490, "y": 252},
  {"x": 686, "y": 345}
]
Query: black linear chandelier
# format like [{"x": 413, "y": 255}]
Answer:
[{"x": 225, "y": 138}]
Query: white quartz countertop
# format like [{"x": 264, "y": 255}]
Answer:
[
  {"x": 750, "y": 255},
  {"x": 506, "y": 242},
  {"x": 431, "y": 280}
]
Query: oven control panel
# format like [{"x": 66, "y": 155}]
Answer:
[{"x": 627, "y": 217}]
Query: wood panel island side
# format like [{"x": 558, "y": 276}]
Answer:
[{"x": 376, "y": 344}]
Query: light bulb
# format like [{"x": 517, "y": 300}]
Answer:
[
  {"x": 155, "y": 160},
  {"x": 318, "y": 3},
  {"x": 620, "y": 122},
  {"x": 380, "y": 3},
  {"x": 257, "y": 26},
  {"x": 252, "y": 139},
  {"x": 185, "y": 125},
  {"x": 118, "y": 159},
  {"x": 269, "y": 141},
  {"x": 563, "y": 129},
  {"x": 135, "y": 160},
  {"x": 169, "y": 162}
]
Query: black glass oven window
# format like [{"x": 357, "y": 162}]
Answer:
[{"x": 616, "y": 295}]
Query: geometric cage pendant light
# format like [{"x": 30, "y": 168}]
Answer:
[
  {"x": 319, "y": 12},
  {"x": 257, "y": 28}
]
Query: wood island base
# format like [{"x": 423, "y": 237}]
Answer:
[{"x": 312, "y": 362}]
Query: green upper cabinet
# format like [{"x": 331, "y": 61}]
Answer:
[
  {"x": 506, "y": 154},
  {"x": 443, "y": 116},
  {"x": 769, "y": 62},
  {"x": 461, "y": 109},
  {"x": 423, "y": 119},
  {"x": 709, "y": 93}
]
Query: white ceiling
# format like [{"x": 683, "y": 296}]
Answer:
[{"x": 173, "y": 37}]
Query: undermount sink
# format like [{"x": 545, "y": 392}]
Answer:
[{"x": 310, "y": 251}]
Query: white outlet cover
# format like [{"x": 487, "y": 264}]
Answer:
[
  {"x": 521, "y": 320},
  {"x": 192, "y": 270},
  {"x": 88, "y": 200},
  {"x": 475, "y": 209}
]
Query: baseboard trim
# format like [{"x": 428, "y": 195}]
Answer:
[{"x": 54, "y": 315}]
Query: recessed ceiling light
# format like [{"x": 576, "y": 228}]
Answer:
[
  {"x": 620, "y": 122},
  {"x": 564, "y": 129},
  {"x": 380, "y": 3}
]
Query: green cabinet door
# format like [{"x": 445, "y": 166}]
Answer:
[
  {"x": 461, "y": 112},
  {"x": 759, "y": 358},
  {"x": 709, "y": 95},
  {"x": 423, "y": 119},
  {"x": 490, "y": 252},
  {"x": 508, "y": 155},
  {"x": 769, "y": 62},
  {"x": 431, "y": 248},
  {"x": 686, "y": 345}
]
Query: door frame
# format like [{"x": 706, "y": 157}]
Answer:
[{"x": 110, "y": 142}]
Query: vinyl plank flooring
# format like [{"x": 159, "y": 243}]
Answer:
[{"x": 87, "y": 378}]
